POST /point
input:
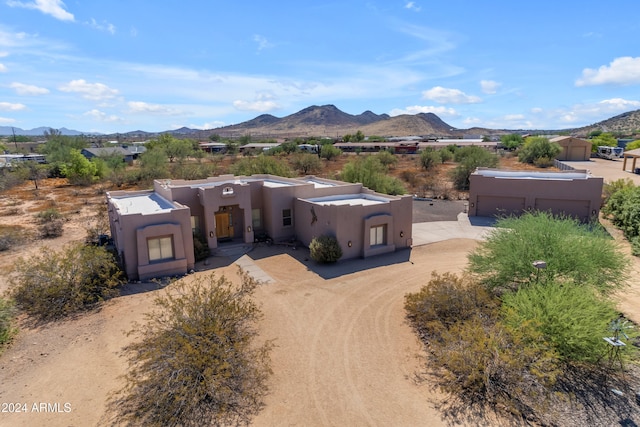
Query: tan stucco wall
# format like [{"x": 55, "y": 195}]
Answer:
[
  {"x": 580, "y": 198},
  {"x": 131, "y": 231}
]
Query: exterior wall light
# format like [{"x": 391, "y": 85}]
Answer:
[
  {"x": 249, "y": 229},
  {"x": 402, "y": 234},
  {"x": 349, "y": 243}
]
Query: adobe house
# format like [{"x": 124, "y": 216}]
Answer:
[
  {"x": 573, "y": 149},
  {"x": 494, "y": 192},
  {"x": 153, "y": 230}
]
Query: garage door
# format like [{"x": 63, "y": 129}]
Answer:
[
  {"x": 499, "y": 206},
  {"x": 578, "y": 209}
]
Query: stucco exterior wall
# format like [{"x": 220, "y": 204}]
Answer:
[
  {"x": 131, "y": 232},
  {"x": 572, "y": 193}
]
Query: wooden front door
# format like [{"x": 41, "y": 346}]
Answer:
[{"x": 224, "y": 225}]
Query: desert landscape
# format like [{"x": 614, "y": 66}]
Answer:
[{"x": 344, "y": 353}]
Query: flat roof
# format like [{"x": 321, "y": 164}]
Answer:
[
  {"x": 349, "y": 200},
  {"x": 142, "y": 204},
  {"x": 532, "y": 175}
]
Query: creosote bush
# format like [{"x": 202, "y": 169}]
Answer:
[
  {"x": 325, "y": 249},
  {"x": 7, "y": 329},
  {"x": 54, "y": 284},
  {"x": 196, "y": 361}
]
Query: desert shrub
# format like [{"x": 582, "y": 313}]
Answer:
[
  {"x": 7, "y": 329},
  {"x": 469, "y": 159},
  {"x": 52, "y": 229},
  {"x": 473, "y": 354},
  {"x": 372, "y": 174},
  {"x": 216, "y": 373},
  {"x": 47, "y": 215},
  {"x": 536, "y": 148},
  {"x": 445, "y": 300},
  {"x": 11, "y": 236},
  {"x": 572, "y": 251},
  {"x": 329, "y": 152},
  {"x": 610, "y": 188},
  {"x": 429, "y": 158},
  {"x": 54, "y": 284},
  {"x": 543, "y": 162},
  {"x": 200, "y": 247},
  {"x": 623, "y": 207},
  {"x": 325, "y": 249},
  {"x": 572, "y": 319},
  {"x": 306, "y": 163},
  {"x": 387, "y": 159}
]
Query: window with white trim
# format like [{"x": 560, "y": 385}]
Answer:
[
  {"x": 160, "y": 248},
  {"x": 377, "y": 235},
  {"x": 287, "y": 219}
]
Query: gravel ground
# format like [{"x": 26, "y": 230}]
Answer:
[{"x": 427, "y": 210}]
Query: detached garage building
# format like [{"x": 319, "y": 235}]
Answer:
[
  {"x": 573, "y": 149},
  {"x": 495, "y": 192}
]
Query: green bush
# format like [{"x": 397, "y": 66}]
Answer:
[
  {"x": 54, "y": 284},
  {"x": 196, "y": 362},
  {"x": 572, "y": 319},
  {"x": 200, "y": 247},
  {"x": 469, "y": 159},
  {"x": 536, "y": 148},
  {"x": 572, "y": 251},
  {"x": 52, "y": 229},
  {"x": 261, "y": 164},
  {"x": 48, "y": 215},
  {"x": 325, "y": 249}
]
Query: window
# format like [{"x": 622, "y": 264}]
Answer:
[
  {"x": 195, "y": 224},
  {"x": 287, "y": 220},
  {"x": 377, "y": 235},
  {"x": 256, "y": 221},
  {"x": 160, "y": 248}
]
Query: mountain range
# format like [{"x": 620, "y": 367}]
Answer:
[{"x": 329, "y": 121}]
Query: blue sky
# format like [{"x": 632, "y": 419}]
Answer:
[{"x": 121, "y": 65}]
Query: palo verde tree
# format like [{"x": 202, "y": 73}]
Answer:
[
  {"x": 511, "y": 141},
  {"x": 469, "y": 159},
  {"x": 197, "y": 362},
  {"x": 573, "y": 252},
  {"x": 539, "y": 150}
]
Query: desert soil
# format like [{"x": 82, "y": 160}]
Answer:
[{"x": 344, "y": 354}]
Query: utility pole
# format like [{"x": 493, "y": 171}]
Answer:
[{"x": 14, "y": 138}]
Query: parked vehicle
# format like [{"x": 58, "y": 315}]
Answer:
[{"x": 610, "y": 153}]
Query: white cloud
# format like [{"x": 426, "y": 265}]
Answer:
[
  {"x": 102, "y": 116},
  {"x": 8, "y": 106},
  {"x": 416, "y": 109},
  {"x": 412, "y": 6},
  {"x": 7, "y": 120},
  {"x": 443, "y": 95},
  {"x": 54, "y": 8},
  {"x": 261, "y": 106},
  {"x": 262, "y": 41},
  {"x": 489, "y": 86},
  {"x": 23, "y": 89},
  {"x": 101, "y": 26},
  {"x": 144, "y": 107},
  {"x": 91, "y": 91},
  {"x": 621, "y": 71},
  {"x": 3, "y": 68}
]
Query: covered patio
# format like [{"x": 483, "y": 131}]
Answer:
[{"x": 631, "y": 154}]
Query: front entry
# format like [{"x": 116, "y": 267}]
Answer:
[{"x": 224, "y": 225}]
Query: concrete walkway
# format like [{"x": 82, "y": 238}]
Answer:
[{"x": 476, "y": 228}]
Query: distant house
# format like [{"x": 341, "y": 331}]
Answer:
[
  {"x": 90, "y": 153},
  {"x": 153, "y": 230},
  {"x": 573, "y": 149},
  {"x": 213, "y": 147},
  {"x": 494, "y": 192}
]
